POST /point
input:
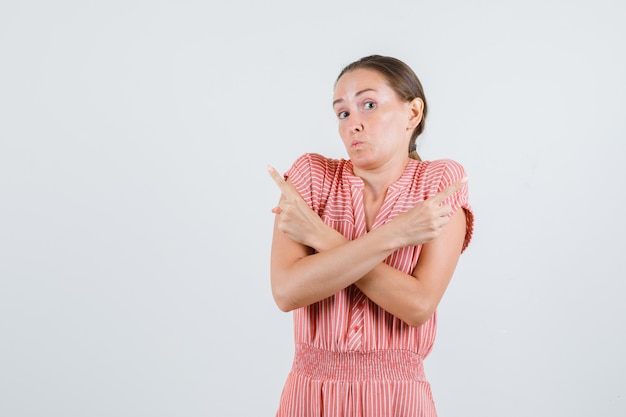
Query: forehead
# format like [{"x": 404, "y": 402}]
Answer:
[{"x": 360, "y": 79}]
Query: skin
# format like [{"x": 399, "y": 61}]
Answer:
[{"x": 375, "y": 126}]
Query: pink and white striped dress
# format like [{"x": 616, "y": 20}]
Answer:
[{"x": 352, "y": 358}]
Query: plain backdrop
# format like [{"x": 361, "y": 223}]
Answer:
[{"x": 135, "y": 221}]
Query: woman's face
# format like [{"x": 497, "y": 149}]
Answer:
[{"x": 374, "y": 123}]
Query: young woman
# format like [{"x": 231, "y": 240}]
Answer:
[{"x": 363, "y": 250}]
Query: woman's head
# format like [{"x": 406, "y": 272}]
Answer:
[{"x": 401, "y": 78}]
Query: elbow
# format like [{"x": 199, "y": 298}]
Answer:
[
  {"x": 416, "y": 321},
  {"x": 418, "y": 315},
  {"x": 280, "y": 293},
  {"x": 284, "y": 306},
  {"x": 283, "y": 301}
]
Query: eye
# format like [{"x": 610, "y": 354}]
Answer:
[
  {"x": 343, "y": 114},
  {"x": 369, "y": 105}
]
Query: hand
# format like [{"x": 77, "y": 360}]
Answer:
[
  {"x": 425, "y": 221},
  {"x": 294, "y": 216}
]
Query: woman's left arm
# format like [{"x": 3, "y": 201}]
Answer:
[
  {"x": 411, "y": 298},
  {"x": 414, "y": 298}
]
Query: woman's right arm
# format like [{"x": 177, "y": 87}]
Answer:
[{"x": 300, "y": 277}]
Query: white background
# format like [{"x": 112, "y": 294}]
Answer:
[{"x": 135, "y": 219}]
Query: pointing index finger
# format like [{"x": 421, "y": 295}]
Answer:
[{"x": 278, "y": 179}]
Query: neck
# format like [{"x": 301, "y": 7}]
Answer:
[{"x": 377, "y": 180}]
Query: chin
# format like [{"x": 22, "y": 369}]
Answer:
[{"x": 361, "y": 161}]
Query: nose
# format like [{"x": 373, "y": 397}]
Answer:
[{"x": 355, "y": 124}]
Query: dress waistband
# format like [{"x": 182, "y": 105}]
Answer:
[{"x": 391, "y": 364}]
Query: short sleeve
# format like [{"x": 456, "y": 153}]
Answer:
[
  {"x": 316, "y": 178},
  {"x": 300, "y": 176},
  {"x": 452, "y": 171}
]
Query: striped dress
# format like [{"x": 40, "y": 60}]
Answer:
[{"x": 352, "y": 358}]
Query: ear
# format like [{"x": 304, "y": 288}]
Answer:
[{"x": 416, "y": 111}]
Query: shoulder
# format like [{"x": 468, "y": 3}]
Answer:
[
  {"x": 315, "y": 165},
  {"x": 317, "y": 178},
  {"x": 315, "y": 159},
  {"x": 446, "y": 170},
  {"x": 427, "y": 178}
]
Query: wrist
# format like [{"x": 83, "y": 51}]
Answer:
[
  {"x": 328, "y": 238},
  {"x": 391, "y": 238}
]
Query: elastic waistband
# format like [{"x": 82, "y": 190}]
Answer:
[{"x": 320, "y": 364}]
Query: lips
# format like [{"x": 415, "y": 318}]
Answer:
[{"x": 356, "y": 143}]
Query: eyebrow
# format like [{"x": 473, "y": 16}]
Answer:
[{"x": 339, "y": 100}]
